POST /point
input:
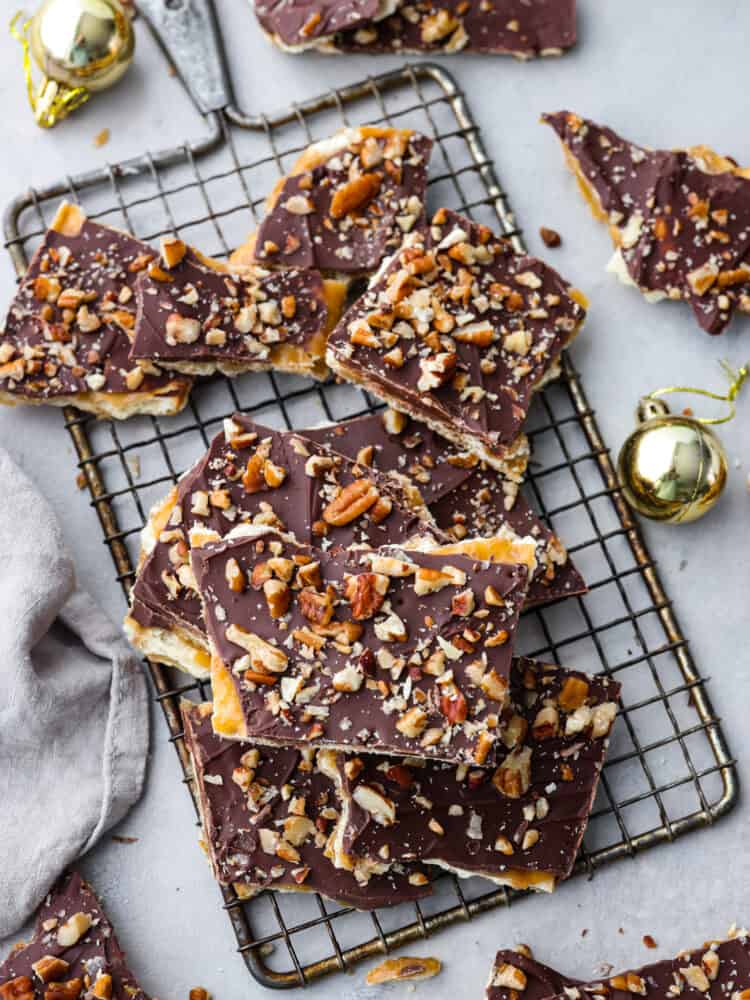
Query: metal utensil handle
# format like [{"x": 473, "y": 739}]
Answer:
[{"x": 188, "y": 32}]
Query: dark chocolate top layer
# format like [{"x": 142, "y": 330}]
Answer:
[
  {"x": 465, "y": 496},
  {"x": 68, "y": 328},
  {"x": 715, "y": 971},
  {"x": 523, "y": 28},
  {"x": 73, "y": 944},
  {"x": 458, "y": 329},
  {"x": 193, "y": 312},
  {"x": 681, "y": 217},
  {"x": 301, "y": 22},
  {"x": 237, "y": 481},
  {"x": 393, "y": 652},
  {"x": 361, "y": 191},
  {"x": 515, "y": 975},
  {"x": 268, "y": 814},
  {"x": 526, "y": 817}
]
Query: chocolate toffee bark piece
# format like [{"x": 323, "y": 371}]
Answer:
[
  {"x": 380, "y": 650},
  {"x": 523, "y": 28},
  {"x": 253, "y": 474},
  {"x": 517, "y": 974},
  {"x": 520, "y": 824},
  {"x": 346, "y": 204},
  {"x": 295, "y": 27},
  {"x": 463, "y": 494},
  {"x": 268, "y": 815},
  {"x": 67, "y": 333},
  {"x": 679, "y": 219},
  {"x": 715, "y": 971},
  {"x": 199, "y": 316},
  {"x": 458, "y": 330},
  {"x": 74, "y": 952}
]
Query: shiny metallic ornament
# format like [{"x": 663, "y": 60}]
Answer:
[
  {"x": 672, "y": 468},
  {"x": 82, "y": 43},
  {"x": 81, "y": 46}
]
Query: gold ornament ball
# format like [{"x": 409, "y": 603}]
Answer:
[
  {"x": 672, "y": 468},
  {"x": 83, "y": 43}
]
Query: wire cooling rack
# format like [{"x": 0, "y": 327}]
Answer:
[{"x": 669, "y": 769}]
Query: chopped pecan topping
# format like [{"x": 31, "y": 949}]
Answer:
[
  {"x": 366, "y": 593},
  {"x": 353, "y": 501},
  {"x": 355, "y": 194}
]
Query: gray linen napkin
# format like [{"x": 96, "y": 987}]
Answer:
[{"x": 73, "y": 707}]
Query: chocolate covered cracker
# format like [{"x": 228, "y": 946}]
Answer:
[
  {"x": 522, "y": 28},
  {"x": 458, "y": 330},
  {"x": 464, "y": 495},
  {"x": 520, "y": 824},
  {"x": 253, "y": 474},
  {"x": 679, "y": 219},
  {"x": 268, "y": 816},
  {"x": 306, "y": 24},
  {"x": 74, "y": 952},
  {"x": 379, "y": 650},
  {"x": 199, "y": 316},
  {"x": 346, "y": 204},
  {"x": 517, "y": 974},
  {"x": 67, "y": 332},
  {"x": 717, "y": 970}
]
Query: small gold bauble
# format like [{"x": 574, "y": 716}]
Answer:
[
  {"x": 671, "y": 468},
  {"x": 82, "y": 43}
]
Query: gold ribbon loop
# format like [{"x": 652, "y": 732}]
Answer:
[
  {"x": 50, "y": 101},
  {"x": 736, "y": 381}
]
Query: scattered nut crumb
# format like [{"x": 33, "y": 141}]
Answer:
[
  {"x": 199, "y": 993},
  {"x": 101, "y": 138},
  {"x": 688, "y": 411},
  {"x": 81, "y": 480},
  {"x": 649, "y": 941},
  {"x": 396, "y": 970},
  {"x": 134, "y": 464},
  {"x": 550, "y": 237},
  {"x": 120, "y": 839}
]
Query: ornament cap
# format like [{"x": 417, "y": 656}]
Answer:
[{"x": 649, "y": 408}]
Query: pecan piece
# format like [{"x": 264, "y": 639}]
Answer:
[
  {"x": 381, "y": 808},
  {"x": 436, "y": 369},
  {"x": 573, "y": 694},
  {"x": 316, "y": 607},
  {"x": 413, "y": 722},
  {"x": 513, "y": 777},
  {"x": 264, "y": 656},
  {"x": 73, "y": 929},
  {"x": 172, "y": 251},
  {"x": 20, "y": 988},
  {"x": 353, "y": 501},
  {"x": 103, "y": 987},
  {"x": 235, "y": 576},
  {"x": 278, "y": 596},
  {"x": 355, "y": 194},
  {"x": 252, "y": 478},
  {"x": 366, "y": 593},
  {"x": 69, "y": 990},
  {"x": 50, "y": 968},
  {"x": 453, "y": 705}
]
